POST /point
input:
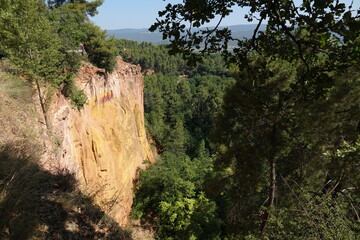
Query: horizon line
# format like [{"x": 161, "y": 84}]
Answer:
[{"x": 200, "y": 27}]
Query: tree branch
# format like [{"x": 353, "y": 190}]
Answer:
[
  {"x": 289, "y": 34},
  {"x": 255, "y": 32}
]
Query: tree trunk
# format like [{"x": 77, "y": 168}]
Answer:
[
  {"x": 42, "y": 104},
  {"x": 272, "y": 187}
]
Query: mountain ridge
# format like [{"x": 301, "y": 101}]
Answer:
[{"x": 144, "y": 35}]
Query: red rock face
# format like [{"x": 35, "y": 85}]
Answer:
[{"x": 105, "y": 143}]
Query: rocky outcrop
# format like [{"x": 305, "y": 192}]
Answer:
[{"x": 105, "y": 143}]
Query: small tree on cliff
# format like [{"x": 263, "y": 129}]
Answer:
[
  {"x": 101, "y": 51},
  {"x": 74, "y": 27},
  {"x": 36, "y": 40},
  {"x": 29, "y": 38}
]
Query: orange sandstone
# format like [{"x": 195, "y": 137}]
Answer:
[{"x": 105, "y": 143}]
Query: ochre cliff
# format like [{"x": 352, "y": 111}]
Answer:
[{"x": 105, "y": 143}]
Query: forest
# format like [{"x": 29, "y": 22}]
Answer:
[
  {"x": 260, "y": 141},
  {"x": 214, "y": 133}
]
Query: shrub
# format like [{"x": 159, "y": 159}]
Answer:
[
  {"x": 168, "y": 194},
  {"x": 77, "y": 96}
]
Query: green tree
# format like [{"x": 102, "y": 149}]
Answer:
[
  {"x": 169, "y": 195},
  {"x": 273, "y": 140},
  {"x": 29, "y": 38},
  {"x": 80, "y": 7},
  {"x": 292, "y": 29},
  {"x": 101, "y": 51},
  {"x": 272, "y": 129},
  {"x": 180, "y": 111},
  {"x": 74, "y": 27}
]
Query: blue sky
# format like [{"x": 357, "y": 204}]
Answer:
[{"x": 117, "y": 14}]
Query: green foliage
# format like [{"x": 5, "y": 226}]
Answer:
[
  {"x": 169, "y": 193},
  {"x": 74, "y": 28},
  {"x": 319, "y": 217},
  {"x": 40, "y": 40},
  {"x": 29, "y": 38},
  {"x": 77, "y": 96},
  {"x": 292, "y": 29},
  {"x": 80, "y": 7},
  {"x": 267, "y": 118},
  {"x": 71, "y": 28},
  {"x": 180, "y": 111},
  {"x": 101, "y": 51},
  {"x": 290, "y": 116},
  {"x": 149, "y": 56},
  {"x": 157, "y": 58}
]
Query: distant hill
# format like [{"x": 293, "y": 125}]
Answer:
[
  {"x": 144, "y": 35},
  {"x": 140, "y": 35}
]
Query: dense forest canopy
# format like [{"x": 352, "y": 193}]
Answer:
[
  {"x": 278, "y": 156},
  {"x": 156, "y": 58}
]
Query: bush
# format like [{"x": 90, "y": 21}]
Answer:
[
  {"x": 168, "y": 194},
  {"x": 70, "y": 90},
  {"x": 78, "y": 98}
]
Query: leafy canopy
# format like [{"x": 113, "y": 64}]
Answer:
[
  {"x": 292, "y": 29},
  {"x": 29, "y": 38},
  {"x": 293, "y": 110}
]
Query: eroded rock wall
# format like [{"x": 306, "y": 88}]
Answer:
[{"x": 105, "y": 143}]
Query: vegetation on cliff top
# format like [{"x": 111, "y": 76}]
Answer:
[{"x": 41, "y": 41}]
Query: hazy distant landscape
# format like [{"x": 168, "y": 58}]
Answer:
[{"x": 144, "y": 35}]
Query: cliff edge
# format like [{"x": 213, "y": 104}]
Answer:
[{"x": 105, "y": 143}]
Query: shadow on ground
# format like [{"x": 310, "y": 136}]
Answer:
[{"x": 36, "y": 204}]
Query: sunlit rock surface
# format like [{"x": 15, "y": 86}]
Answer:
[{"x": 105, "y": 143}]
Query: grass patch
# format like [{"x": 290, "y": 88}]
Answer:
[
  {"x": 18, "y": 113},
  {"x": 15, "y": 87}
]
